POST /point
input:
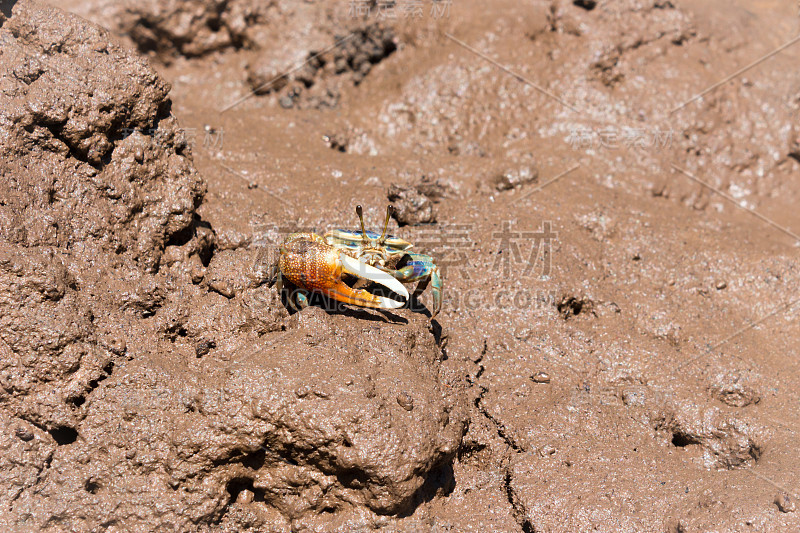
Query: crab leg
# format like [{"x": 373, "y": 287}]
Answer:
[
  {"x": 421, "y": 268},
  {"x": 317, "y": 266}
]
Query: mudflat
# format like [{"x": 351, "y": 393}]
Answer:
[{"x": 607, "y": 188}]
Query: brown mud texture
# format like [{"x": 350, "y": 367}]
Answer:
[{"x": 617, "y": 349}]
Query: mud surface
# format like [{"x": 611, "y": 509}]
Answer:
[{"x": 617, "y": 345}]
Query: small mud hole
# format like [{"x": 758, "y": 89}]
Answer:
[{"x": 64, "y": 435}]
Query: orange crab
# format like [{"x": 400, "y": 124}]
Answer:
[{"x": 340, "y": 262}]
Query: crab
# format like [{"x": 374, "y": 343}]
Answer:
[{"x": 326, "y": 263}]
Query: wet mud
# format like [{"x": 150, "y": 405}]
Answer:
[{"x": 616, "y": 349}]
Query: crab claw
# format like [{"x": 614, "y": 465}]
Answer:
[
  {"x": 317, "y": 266},
  {"x": 364, "y": 271}
]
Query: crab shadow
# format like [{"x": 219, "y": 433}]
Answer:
[
  {"x": 373, "y": 315},
  {"x": 333, "y": 307},
  {"x": 365, "y": 313}
]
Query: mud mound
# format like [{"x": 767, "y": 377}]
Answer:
[
  {"x": 142, "y": 386},
  {"x": 94, "y": 186},
  {"x": 167, "y": 30},
  {"x": 317, "y": 83},
  {"x": 90, "y": 151},
  {"x": 259, "y": 439}
]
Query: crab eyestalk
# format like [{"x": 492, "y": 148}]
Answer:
[
  {"x": 360, "y": 213},
  {"x": 382, "y": 238},
  {"x": 389, "y": 210}
]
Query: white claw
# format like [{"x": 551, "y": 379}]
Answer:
[
  {"x": 365, "y": 271},
  {"x": 386, "y": 303}
]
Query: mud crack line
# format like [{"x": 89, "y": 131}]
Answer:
[
  {"x": 499, "y": 427},
  {"x": 518, "y": 510},
  {"x": 517, "y": 507}
]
